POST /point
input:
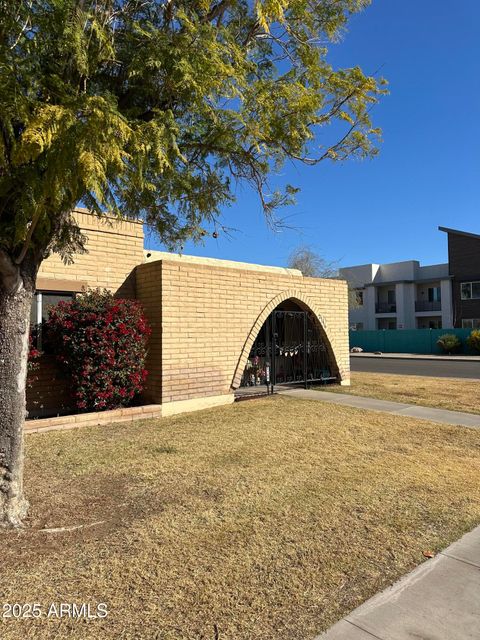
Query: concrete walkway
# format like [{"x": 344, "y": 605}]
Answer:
[
  {"x": 439, "y": 600},
  {"x": 396, "y": 408}
]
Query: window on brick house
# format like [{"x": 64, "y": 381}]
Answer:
[{"x": 41, "y": 303}]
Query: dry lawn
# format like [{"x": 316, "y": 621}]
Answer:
[
  {"x": 262, "y": 520},
  {"x": 456, "y": 394}
]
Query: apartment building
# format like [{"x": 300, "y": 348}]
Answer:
[
  {"x": 406, "y": 295},
  {"x": 400, "y": 295},
  {"x": 464, "y": 269}
]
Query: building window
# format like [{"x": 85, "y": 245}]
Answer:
[
  {"x": 429, "y": 323},
  {"x": 391, "y": 296},
  {"x": 470, "y": 323},
  {"x": 359, "y": 298},
  {"x": 41, "y": 303},
  {"x": 434, "y": 294},
  {"x": 470, "y": 290},
  {"x": 386, "y": 323}
]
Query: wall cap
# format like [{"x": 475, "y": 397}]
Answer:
[{"x": 217, "y": 262}]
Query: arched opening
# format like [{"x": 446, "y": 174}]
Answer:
[{"x": 290, "y": 348}]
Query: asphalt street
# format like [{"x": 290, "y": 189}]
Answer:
[{"x": 413, "y": 367}]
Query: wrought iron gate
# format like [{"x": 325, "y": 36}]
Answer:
[{"x": 287, "y": 350}]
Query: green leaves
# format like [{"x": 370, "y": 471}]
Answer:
[
  {"x": 47, "y": 125},
  {"x": 157, "y": 109}
]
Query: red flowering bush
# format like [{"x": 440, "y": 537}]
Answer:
[
  {"x": 101, "y": 342},
  {"x": 33, "y": 364}
]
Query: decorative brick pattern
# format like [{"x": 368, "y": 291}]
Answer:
[{"x": 205, "y": 319}]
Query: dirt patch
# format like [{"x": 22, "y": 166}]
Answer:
[{"x": 70, "y": 502}]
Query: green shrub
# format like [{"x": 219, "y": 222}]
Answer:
[
  {"x": 449, "y": 342},
  {"x": 473, "y": 340}
]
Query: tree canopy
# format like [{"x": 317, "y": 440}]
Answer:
[
  {"x": 157, "y": 108},
  {"x": 311, "y": 264}
]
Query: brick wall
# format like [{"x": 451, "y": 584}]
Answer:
[
  {"x": 114, "y": 249},
  {"x": 149, "y": 292},
  {"x": 205, "y": 314},
  {"x": 206, "y": 317},
  {"x": 48, "y": 392}
]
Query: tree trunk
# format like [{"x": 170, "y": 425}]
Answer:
[{"x": 15, "y": 303}]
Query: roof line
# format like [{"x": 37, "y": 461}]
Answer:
[
  {"x": 457, "y": 232},
  {"x": 152, "y": 255},
  {"x": 381, "y": 283}
]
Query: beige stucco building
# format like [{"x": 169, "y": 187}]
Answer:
[{"x": 216, "y": 324}]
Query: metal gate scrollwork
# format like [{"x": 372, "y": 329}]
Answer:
[{"x": 288, "y": 350}]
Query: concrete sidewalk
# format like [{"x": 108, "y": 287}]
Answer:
[
  {"x": 439, "y": 600},
  {"x": 396, "y": 408}
]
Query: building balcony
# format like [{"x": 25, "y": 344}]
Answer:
[
  {"x": 428, "y": 305},
  {"x": 386, "y": 307}
]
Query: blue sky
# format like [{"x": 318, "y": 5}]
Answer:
[{"x": 428, "y": 171}]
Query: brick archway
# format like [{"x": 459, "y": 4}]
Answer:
[{"x": 308, "y": 305}]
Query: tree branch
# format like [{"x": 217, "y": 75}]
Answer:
[
  {"x": 23, "y": 29},
  {"x": 217, "y": 10},
  {"x": 251, "y": 33},
  {"x": 9, "y": 273},
  {"x": 28, "y": 238}
]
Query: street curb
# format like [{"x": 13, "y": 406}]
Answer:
[{"x": 415, "y": 356}]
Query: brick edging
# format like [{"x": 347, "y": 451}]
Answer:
[{"x": 128, "y": 414}]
